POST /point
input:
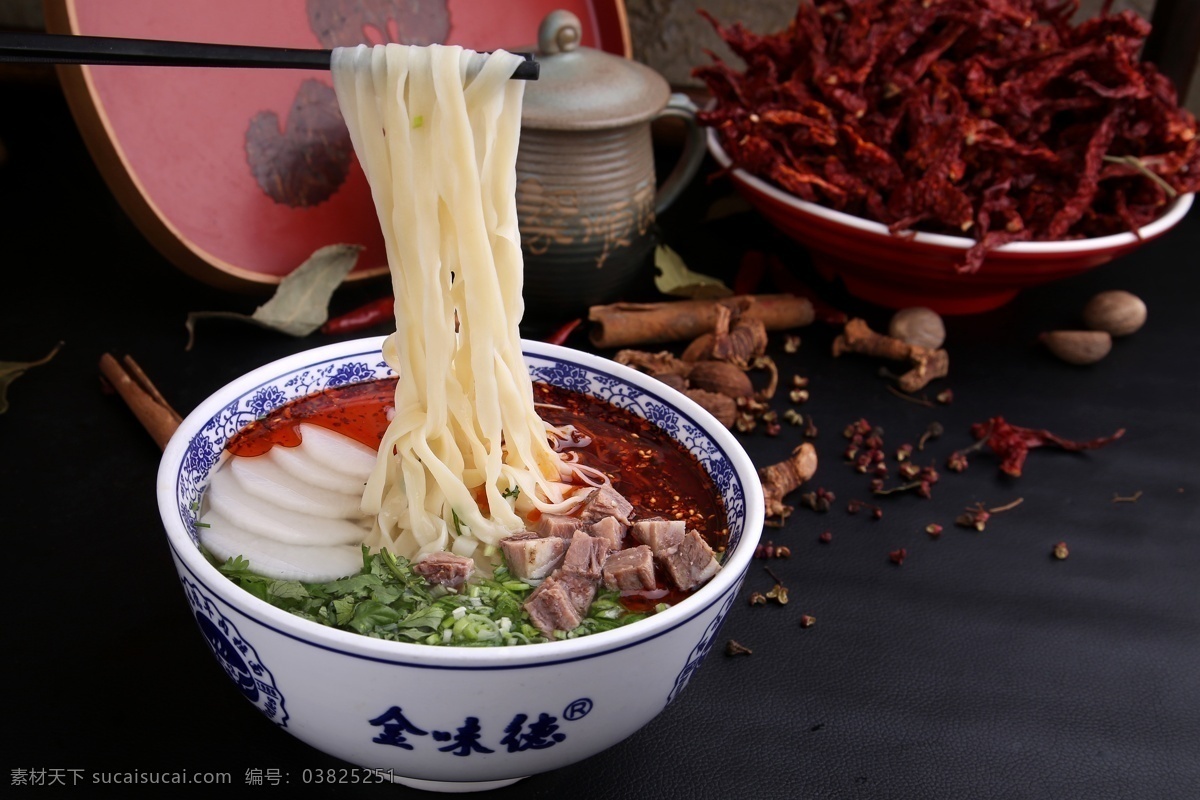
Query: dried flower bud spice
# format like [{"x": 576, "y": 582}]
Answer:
[
  {"x": 1061, "y": 551},
  {"x": 807, "y": 621},
  {"x": 855, "y": 505},
  {"x": 819, "y": 500},
  {"x": 858, "y": 428},
  {"x": 733, "y": 648},
  {"x": 897, "y": 556},
  {"x": 977, "y": 516},
  {"x": 933, "y": 529},
  {"x": 977, "y": 519},
  {"x": 769, "y": 550}
]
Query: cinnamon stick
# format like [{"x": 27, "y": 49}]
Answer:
[
  {"x": 142, "y": 397},
  {"x": 626, "y": 324}
]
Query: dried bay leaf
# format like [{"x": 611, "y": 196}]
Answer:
[
  {"x": 300, "y": 304},
  {"x": 728, "y": 206},
  {"x": 675, "y": 279},
  {"x": 11, "y": 370}
]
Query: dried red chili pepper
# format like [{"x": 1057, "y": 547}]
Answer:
[
  {"x": 365, "y": 316},
  {"x": 786, "y": 281},
  {"x": 749, "y": 275},
  {"x": 560, "y": 334},
  {"x": 1013, "y": 442},
  {"x": 1000, "y": 120}
]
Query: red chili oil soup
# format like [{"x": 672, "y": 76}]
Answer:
[{"x": 654, "y": 472}]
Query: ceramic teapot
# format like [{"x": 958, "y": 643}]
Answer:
[{"x": 587, "y": 192}]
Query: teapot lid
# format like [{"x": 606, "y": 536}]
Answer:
[{"x": 581, "y": 88}]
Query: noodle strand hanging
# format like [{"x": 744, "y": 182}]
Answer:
[{"x": 436, "y": 130}]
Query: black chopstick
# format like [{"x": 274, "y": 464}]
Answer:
[{"x": 52, "y": 48}]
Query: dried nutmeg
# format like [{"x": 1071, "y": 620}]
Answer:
[
  {"x": 918, "y": 325},
  {"x": 720, "y": 377},
  {"x": 723, "y": 407},
  {"x": 1117, "y": 312},
  {"x": 1078, "y": 347}
]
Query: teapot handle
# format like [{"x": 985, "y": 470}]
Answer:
[{"x": 681, "y": 107}]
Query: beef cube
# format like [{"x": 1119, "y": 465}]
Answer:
[
  {"x": 580, "y": 588},
  {"x": 691, "y": 563},
  {"x": 606, "y": 502},
  {"x": 551, "y": 607},
  {"x": 559, "y": 525},
  {"x": 531, "y": 557},
  {"x": 630, "y": 570},
  {"x": 585, "y": 555},
  {"x": 445, "y": 569},
  {"x": 660, "y": 534},
  {"x": 610, "y": 529}
]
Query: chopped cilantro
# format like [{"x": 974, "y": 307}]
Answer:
[{"x": 387, "y": 600}]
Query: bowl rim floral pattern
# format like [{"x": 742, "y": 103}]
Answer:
[{"x": 191, "y": 454}]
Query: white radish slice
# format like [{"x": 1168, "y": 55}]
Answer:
[
  {"x": 279, "y": 560},
  {"x": 298, "y": 463},
  {"x": 229, "y": 499},
  {"x": 337, "y": 451},
  {"x": 265, "y": 479}
]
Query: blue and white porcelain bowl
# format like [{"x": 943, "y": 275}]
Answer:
[{"x": 448, "y": 718}]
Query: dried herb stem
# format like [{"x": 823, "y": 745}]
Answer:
[
  {"x": 1139, "y": 165},
  {"x": 1007, "y": 506},
  {"x": 921, "y": 401}
]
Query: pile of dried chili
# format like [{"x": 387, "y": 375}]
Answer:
[{"x": 1001, "y": 120}]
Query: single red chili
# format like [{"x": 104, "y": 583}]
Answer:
[
  {"x": 560, "y": 334},
  {"x": 785, "y": 281},
  {"x": 1012, "y": 443},
  {"x": 750, "y": 272},
  {"x": 365, "y": 316}
]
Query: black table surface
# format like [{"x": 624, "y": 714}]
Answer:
[{"x": 980, "y": 667}]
